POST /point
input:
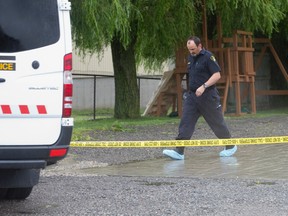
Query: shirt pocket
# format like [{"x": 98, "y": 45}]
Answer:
[{"x": 199, "y": 67}]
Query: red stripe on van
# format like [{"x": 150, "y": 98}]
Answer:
[
  {"x": 6, "y": 109},
  {"x": 41, "y": 109},
  {"x": 24, "y": 109}
]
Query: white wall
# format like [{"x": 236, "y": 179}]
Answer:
[
  {"x": 83, "y": 89},
  {"x": 83, "y": 92},
  {"x": 91, "y": 64}
]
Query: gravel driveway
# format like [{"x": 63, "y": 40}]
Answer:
[
  {"x": 239, "y": 128},
  {"x": 63, "y": 191}
]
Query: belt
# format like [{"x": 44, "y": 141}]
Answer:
[{"x": 191, "y": 91}]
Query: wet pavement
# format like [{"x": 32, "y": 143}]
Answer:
[{"x": 250, "y": 162}]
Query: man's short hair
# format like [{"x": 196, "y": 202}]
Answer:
[{"x": 196, "y": 40}]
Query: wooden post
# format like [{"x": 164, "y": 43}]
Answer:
[
  {"x": 204, "y": 25},
  {"x": 180, "y": 71}
]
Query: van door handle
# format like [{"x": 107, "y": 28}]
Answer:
[{"x": 2, "y": 80}]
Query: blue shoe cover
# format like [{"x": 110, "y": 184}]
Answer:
[
  {"x": 173, "y": 154},
  {"x": 228, "y": 152}
]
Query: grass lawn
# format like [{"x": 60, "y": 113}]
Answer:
[{"x": 84, "y": 121}]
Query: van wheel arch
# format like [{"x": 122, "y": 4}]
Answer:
[
  {"x": 18, "y": 193},
  {"x": 3, "y": 192}
]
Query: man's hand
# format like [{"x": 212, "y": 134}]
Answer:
[{"x": 200, "y": 91}]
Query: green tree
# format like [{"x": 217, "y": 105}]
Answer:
[
  {"x": 149, "y": 32},
  {"x": 249, "y": 15},
  {"x": 138, "y": 31}
]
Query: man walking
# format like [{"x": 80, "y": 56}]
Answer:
[{"x": 202, "y": 99}]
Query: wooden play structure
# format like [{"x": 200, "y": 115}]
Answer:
[
  {"x": 236, "y": 61},
  {"x": 235, "y": 56}
]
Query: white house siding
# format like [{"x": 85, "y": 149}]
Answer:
[
  {"x": 83, "y": 90},
  {"x": 105, "y": 95}
]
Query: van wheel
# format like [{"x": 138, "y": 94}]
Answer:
[
  {"x": 3, "y": 192},
  {"x": 18, "y": 193}
]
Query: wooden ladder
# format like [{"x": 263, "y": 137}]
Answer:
[{"x": 164, "y": 97}]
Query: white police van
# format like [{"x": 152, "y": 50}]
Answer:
[{"x": 35, "y": 91}]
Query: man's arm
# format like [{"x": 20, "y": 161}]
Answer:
[{"x": 211, "y": 81}]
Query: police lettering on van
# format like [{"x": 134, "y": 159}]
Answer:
[
  {"x": 6, "y": 66},
  {"x": 35, "y": 91}
]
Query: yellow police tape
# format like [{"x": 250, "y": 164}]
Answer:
[{"x": 173, "y": 143}]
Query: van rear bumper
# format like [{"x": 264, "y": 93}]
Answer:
[
  {"x": 34, "y": 157},
  {"x": 22, "y": 164}
]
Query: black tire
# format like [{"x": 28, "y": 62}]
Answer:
[
  {"x": 18, "y": 193},
  {"x": 3, "y": 192}
]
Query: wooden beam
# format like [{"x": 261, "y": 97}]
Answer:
[
  {"x": 204, "y": 24},
  {"x": 277, "y": 59},
  {"x": 261, "y": 40},
  {"x": 243, "y": 32},
  {"x": 271, "y": 92}
]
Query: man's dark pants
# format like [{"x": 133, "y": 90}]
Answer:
[{"x": 209, "y": 106}]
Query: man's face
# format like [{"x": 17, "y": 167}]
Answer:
[{"x": 193, "y": 49}]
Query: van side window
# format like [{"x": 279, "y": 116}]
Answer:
[{"x": 29, "y": 24}]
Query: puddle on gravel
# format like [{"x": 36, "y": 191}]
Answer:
[
  {"x": 205, "y": 167},
  {"x": 250, "y": 162}
]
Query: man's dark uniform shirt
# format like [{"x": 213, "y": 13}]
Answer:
[{"x": 201, "y": 68}]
